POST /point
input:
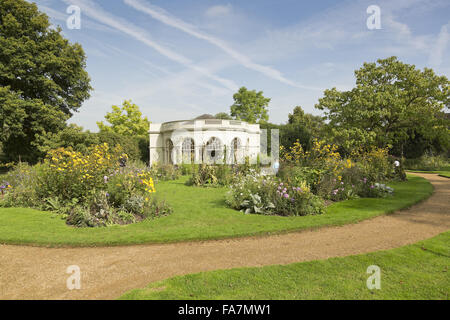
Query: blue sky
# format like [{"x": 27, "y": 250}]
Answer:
[{"x": 179, "y": 59}]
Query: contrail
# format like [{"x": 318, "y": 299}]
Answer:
[
  {"x": 95, "y": 12},
  {"x": 164, "y": 17}
]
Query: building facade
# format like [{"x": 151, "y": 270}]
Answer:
[{"x": 204, "y": 140}]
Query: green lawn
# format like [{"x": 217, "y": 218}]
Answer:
[
  {"x": 199, "y": 214},
  {"x": 419, "y": 271}
]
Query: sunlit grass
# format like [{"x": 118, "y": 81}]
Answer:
[
  {"x": 199, "y": 214},
  {"x": 418, "y": 271}
]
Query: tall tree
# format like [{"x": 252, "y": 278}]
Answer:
[
  {"x": 126, "y": 120},
  {"x": 391, "y": 101},
  {"x": 310, "y": 122},
  {"x": 41, "y": 72},
  {"x": 223, "y": 116},
  {"x": 250, "y": 106}
]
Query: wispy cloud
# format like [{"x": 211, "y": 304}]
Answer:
[
  {"x": 96, "y": 12},
  {"x": 437, "y": 53},
  {"x": 164, "y": 17},
  {"x": 218, "y": 11}
]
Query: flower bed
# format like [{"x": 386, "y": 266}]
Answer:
[
  {"x": 307, "y": 178},
  {"x": 257, "y": 193},
  {"x": 89, "y": 189}
]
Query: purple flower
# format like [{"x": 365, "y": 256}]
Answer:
[
  {"x": 371, "y": 187},
  {"x": 286, "y": 195},
  {"x": 365, "y": 180},
  {"x": 342, "y": 182}
]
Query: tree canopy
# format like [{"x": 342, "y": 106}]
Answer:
[
  {"x": 223, "y": 116},
  {"x": 250, "y": 106},
  {"x": 42, "y": 78},
  {"x": 392, "y": 102},
  {"x": 312, "y": 123},
  {"x": 126, "y": 120}
]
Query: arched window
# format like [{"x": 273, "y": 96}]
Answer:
[
  {"x": 169, "y": 151},
  {"x": 188, "y": 149},
  {"x": 236, "y": 150},
  {"x": 214, "y": 149}
]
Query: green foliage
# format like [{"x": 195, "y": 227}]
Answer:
[
  {"x": 128, "y": 143},
  {"x": 290, "y": 133},
  {"x": 72, "y": 136},
  {"x": 250, "y": 106},
  {"x": 126, "y": 120},
  {"x": 79, "y": 140},
  {"x": 255, "y": 193},
  {"x": 88, "y": 189},
  {"x": 392, "y": 102},
  {"x": 199, "y": 214},
  {"x": 223, "y": 115},
  {"x": 165, "y": 172},
  {"x": 295, "y": 175},
  {"x": 22, "y": 187},
  {"x": 42, "y": 78},
  {"x": 21, "y": 120},
  {"x": 428, "y": 162},
  {"x": 313, "y": 124},
  {"x": 205, "y": 175}
]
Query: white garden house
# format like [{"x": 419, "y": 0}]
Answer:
[{"x": 204, "y": 140}]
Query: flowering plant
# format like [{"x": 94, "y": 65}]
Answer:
[{"x": 256, "y": 193}]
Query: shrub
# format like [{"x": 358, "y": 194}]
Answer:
[
  {"x": 17, "y": 187},
  {"x": 69, "y": 174},
  {"x": 89, "y": 190},
  {"x": 203, "y": 176},
  {"x": 375, "y": 164},
  {"x": 427, "y": 162},
  {"x": 260, "y": 194},
  {"x": 295, "y": 175},
  {"x": 165, "y": 172}
]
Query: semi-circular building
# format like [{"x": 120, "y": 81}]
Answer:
[{"x": 204, "y": 140}]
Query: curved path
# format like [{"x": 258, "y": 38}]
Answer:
[{"x": 106, "y": 273}]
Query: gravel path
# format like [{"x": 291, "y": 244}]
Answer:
[{"x": 106, "y": 273}]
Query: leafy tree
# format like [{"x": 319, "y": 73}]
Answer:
[
  {"x": 127, "y": 120},
  {"x": 80, "y": 140},
  {"x": 392, "y": 102},
  {"x": 42, "y": 77},
  {"x": 223, "y": 115},
  {"x": 37, "y": 61},
  {"x": 21, "y": 120},
  {"x": 72, "y": 136},
  {"x": 291, "y": 132},
  {"x": 312, "y": 123},
  {"x": 250, "y": 106}
]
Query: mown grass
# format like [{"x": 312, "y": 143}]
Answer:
[
  {"x": 418, "y": 271},
  {"x": 199, "y": 214}
]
